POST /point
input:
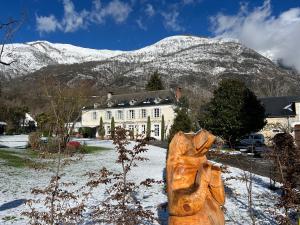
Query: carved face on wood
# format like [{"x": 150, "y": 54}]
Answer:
[{"x": 186, "y": 155}]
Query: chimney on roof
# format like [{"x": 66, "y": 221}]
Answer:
[{"x": 178, "y": 93}]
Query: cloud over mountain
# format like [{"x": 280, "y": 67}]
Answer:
[
  {"x": 74, "y": 20},
  {"x": 276, "y": 37}
]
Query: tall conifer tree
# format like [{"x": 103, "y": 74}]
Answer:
[
  {"x": 155, "y": 83},
  {"x": 101, "y": 130},
  {"x": 162, "y": 134},
  {"x": 112, "y": 127},
  {"x": 148, "y": 132}
]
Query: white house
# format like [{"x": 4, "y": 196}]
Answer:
[
  {"x": 131, "y": 111},
  {"x": 281, "y": 113}
]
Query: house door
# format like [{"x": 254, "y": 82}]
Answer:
[{"x": 297, "y": 135}]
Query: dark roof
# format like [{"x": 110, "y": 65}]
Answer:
[
  {"x": 139, "y": 99},
  {"x": 275, "y": 106}
]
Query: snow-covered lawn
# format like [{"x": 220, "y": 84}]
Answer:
[
  {"x": 15, "y": 185},
  {"x": 14, "y": 141}
]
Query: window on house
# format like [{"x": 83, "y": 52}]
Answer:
[
  {"x": 156, "y": 112},
  {"x": 120, "y": 114},
  {"x": 94, "y": 116},
  {"x": 130, "y": 127},
  {"x": 143, "y": 129},
  {"x": 131, "y": 114},
  {"x": 144, "y": 113},
  {"x": 108, "y": 130},
  {"x": 108, "y": 115},
  {"x": 156, "y": 130}
]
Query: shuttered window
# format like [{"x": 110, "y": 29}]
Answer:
[
  {"x": 156, "y": 112},
  {"x": 156, "y": 130},
  {"x": 143, "y": 113}
]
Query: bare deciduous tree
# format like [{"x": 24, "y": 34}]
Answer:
[
  {"x": 286, "y": 157},
  {"x": 122, "y": 207},
  {"x": 7, "y": 31}
]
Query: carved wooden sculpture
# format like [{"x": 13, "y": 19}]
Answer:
[{"x": 195, "y": 189}]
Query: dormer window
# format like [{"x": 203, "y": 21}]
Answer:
[
  {"x": 110, "y": 104},
  {"x": 147, "y": 101},
  {"x": 132, "y": 102},
  {"x": 157, "y": 100}
]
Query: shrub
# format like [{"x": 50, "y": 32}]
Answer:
[
  {"x": 86, "y": 132},
  {"x": 121, "y": 207},
  {"x": 35, "y": 140},
  {"x": 52, "y": 146},
  {"x": 73, "y": 146}
]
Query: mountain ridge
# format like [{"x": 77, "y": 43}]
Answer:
[
  {"x": 195, "y": 63},
  {"x": 32, "y": 56}
]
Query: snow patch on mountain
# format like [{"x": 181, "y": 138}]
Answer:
[{"x": 32, "y": 56}]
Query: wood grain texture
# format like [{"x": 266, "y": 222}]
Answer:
[{"x": 195, "y": 188}]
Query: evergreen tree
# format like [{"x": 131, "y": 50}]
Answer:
[
  {"x": 112, "y": 128},
  {"x": 155, "y": 83},
  {"x": 233, "y": 112},
  {"x": 182, "y": 121},
  {"x": 148, "y": 131},
  {"x": 162, "y": 128},
  {"x": 45, "y": 123},
  {"x": 101, "y": 130}
]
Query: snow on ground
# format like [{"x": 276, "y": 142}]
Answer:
[
  {"x": 15, "y": 185},
  {"x": 14, "y": 141}
]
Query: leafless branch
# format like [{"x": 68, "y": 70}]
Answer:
[{"x": 8, "y": 29}]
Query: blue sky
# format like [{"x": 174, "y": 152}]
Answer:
[{"x": 131, "y": 24}]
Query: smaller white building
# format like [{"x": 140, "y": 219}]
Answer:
[
  {"x": 282, "y": 113},
  {"x": 131, "y": 111}
]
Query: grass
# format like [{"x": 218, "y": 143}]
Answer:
[
  {"x": 8, "y": 218},
  {"x": 19, "y": 159},
  {"x": 93, "y": 149}
]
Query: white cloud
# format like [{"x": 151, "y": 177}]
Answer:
[
  {"x": 149, "y": 10},
  {"x": 118, "y": 10},
  {"x": 141, "y": 24},
  {"x": 73, "y": 20},
  {"x": 96, "y": 16},
  {"x": 275, "y": 37},
  {"x": 46, "y": 24},
  {"x": 171, "y": 21}
]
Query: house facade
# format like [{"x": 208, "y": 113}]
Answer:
[
  {"x": 131, "y": 111},
  {"x": 282, "y": 113}
]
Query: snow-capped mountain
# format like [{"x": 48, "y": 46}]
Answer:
[
  {"x": 193, "y": 62},
  {"x": 32, "y": 56}
]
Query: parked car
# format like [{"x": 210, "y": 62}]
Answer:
[{"x": 253, "y": 139}]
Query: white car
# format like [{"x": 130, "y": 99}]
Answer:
[{"x": 253, "y": 139}]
